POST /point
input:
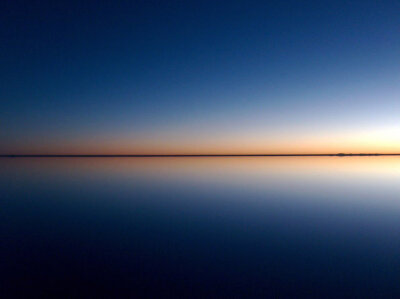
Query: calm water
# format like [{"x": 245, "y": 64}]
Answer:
[{"x": 201, "y": 227}]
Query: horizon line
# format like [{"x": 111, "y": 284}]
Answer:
[{"x": 189, "y": 155}]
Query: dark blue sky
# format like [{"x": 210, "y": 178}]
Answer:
[{"x": 212, "y": 76}]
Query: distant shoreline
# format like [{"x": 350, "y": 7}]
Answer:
[{"x": 192, "y": 155}]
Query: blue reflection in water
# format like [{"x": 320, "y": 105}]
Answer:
[{"x": 200, "y": 227}]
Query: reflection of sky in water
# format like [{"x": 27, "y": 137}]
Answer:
[
  {"x": 360, "y": 177},
  {"x": 261, "y": 221}
]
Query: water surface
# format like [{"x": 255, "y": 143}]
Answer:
[{"x": 201, "y": 227}]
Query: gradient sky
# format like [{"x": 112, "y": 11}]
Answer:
[{"x": 199, "y": 76}]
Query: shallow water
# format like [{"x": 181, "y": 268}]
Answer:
[{"x": 201, "y": 227}]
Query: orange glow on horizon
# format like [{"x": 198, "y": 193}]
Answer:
[{"x": 383, "y": 140}]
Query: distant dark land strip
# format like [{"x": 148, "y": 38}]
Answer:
[{"x": 195, "y": 155}]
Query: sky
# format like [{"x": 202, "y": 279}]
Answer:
[{"x": 199, "y": 77}]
